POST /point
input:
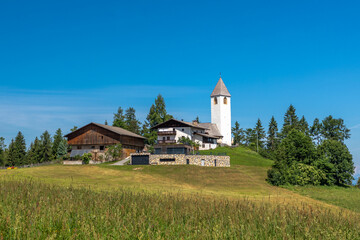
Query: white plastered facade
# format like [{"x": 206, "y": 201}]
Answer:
[{"x": 221, "y": 116}]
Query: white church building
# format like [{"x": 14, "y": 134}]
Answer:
[{"x": 207, "y": 135}]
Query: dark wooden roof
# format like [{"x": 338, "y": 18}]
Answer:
[
  {"x": 177, "y": 123},
  {"x": 117, "y": 130}
]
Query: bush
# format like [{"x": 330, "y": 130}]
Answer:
[{"x": 86, "y": 158}]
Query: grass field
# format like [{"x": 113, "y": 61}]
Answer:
[{"x": 165, "y": 201}]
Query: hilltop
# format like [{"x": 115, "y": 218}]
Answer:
[{"x": 167, "y": 201}]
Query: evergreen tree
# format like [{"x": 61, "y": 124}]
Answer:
[
  {"x": 2, "y": 151},
  {"x": 315, "y": 131},
  {"x": 20, "y": 150},
  {"x": 291, "y": 121},
  {"x": 106, "y": 122},
  {"x": 304, "y": 126},
  {"x": 46, "y": 147},
  {"x": 62, "y": 149},
  {"x": 132, "y": 124},
  {"x": 157, "y": 115},
  {"x": 74, "y": 129},
  {"x": 250, "y": 137},
  {"x": 119, "y": 119},
  {"x": 11, "y": 155},
  {"x": 334, "y": 129},
  {"x": 58, "y": 138},
  {"x": 197, "y": 119},
  {"x": 238, "y": 134},
  {"x": 272, "y": 138},
  {"x": 260, "y": 134}
]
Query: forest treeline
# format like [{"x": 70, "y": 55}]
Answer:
[
  {"x": 43, "y": 149},
  {"x": 302, "y": 154},
  {"x": 47, "y": 148}
]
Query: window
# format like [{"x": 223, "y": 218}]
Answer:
[
  {"x": 215, "y": 100},
  {"x": 168, "y": 138},
  {"x": 183, "y": 130},
  {"x": 163, "y": 138},
  {"x": 157, "y": 150},
  {"x": 225, "y": 100},
  {"x": 167, "y": 159},
  {"x": 102, "y": 148},
  {"x": 78, "y": 147},
  {"x": 92, "y": 147},
  {"x": 176, "y": 150},
  {"x": 102, "y": 137}
]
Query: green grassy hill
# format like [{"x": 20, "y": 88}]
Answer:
[{"x": 232, "y": 201}]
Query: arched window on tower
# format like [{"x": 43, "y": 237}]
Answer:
[
  {"x": 215, "y": 100},
  {"x": 225, "y": 100}
]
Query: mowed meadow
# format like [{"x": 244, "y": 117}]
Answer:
[{"x": 171, "y": 202}]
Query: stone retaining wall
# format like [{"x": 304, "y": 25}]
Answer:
[
  {"x": 79, "y": 162},
  {"x": 182, "y": 159}
]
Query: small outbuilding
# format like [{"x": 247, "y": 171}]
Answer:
[{"x": 95, "y": 137}]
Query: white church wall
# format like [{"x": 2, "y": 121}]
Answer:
[{"x": 221, "y": 116}]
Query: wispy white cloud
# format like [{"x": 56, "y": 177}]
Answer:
[{"x": 355, "y": 127}]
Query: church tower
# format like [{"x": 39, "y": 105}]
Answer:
[{"x": 221, "y": 111}]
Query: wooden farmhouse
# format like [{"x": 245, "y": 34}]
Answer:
[{"x": 95, "y": 137}]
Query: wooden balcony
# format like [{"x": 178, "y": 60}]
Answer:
[
  {"x": 166, "y": 132},
  {"x": 166, "y": 141}
]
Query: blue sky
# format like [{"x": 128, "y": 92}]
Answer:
[{"x": 66, "y": 63}]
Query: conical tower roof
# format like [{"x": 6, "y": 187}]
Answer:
[{"x": 220, "y": 89}]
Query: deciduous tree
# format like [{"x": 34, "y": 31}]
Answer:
[
  {"x": 334, "y": 129},
  {"x": 337, "y": 154}
]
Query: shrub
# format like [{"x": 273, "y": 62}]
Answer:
[{"x": 86, "y": 158}]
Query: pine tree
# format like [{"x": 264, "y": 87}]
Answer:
[
  {"x": 74, "y": 129},
  {"x": 315, "y": 131},
  {"x": 272, "y": 138},
  {"x": 132, "y": 124},
  {"x": 250, "y": 137},
  {"x": 260, "y": 134},
  {"x": 2, "y": 151},
  {"x": 62, "y": 149},
  {"x": 11, "y": 155},
  {"x": 119, "y": 119},
  {"x": 106, "y": 122},
  {"x": 37, "y": 151},
  {"x": 58, "y": 138},
  {"x": 20, "y": 150},
  {"x": 304, "y": 126},
  {"x": 46, "y": 147},
  {"x": 291, "y": 121},
  {"x": 197, "y": 119},
  {"x": 238, "y": 134},
  {"x": 157, "y": 115}
]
